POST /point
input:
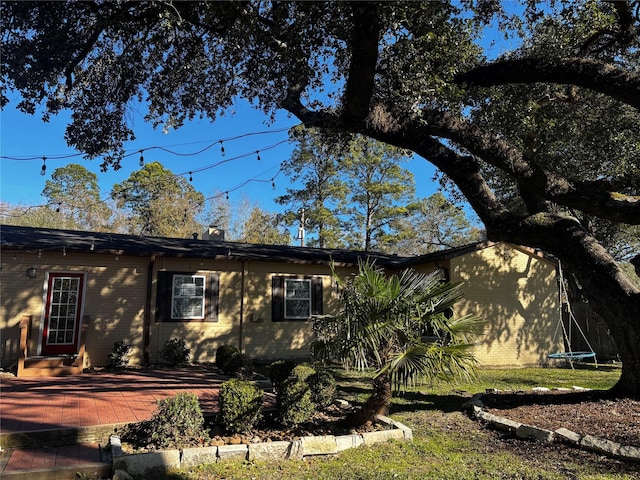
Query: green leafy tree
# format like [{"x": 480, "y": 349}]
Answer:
[
  {"x": 315, "y": 163},
  {"x": 409, "y": 74},
  {"x": 263, "y": 227},
  {"x": 380, "y": 192},
  {"x": 436, "y": 224},
  {"x": 74, "y": 190},
  {"x": 399, "y": 325},
  {"x": 161, "y": 203}
]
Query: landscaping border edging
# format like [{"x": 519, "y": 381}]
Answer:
[
  {"x": 530, "y": 432},
  {"x": 150, "y": 463}
]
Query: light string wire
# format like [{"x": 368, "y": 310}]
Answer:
[{"x": 167, "y": 149}]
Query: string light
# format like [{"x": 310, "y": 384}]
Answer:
[
  {"x": 64, "y": 251},
  {"x": 273, "y": 184},
  {"x": 123, "y": 194}
]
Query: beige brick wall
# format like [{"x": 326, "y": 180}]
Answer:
[
  {"x": 114, "y": 293},
  {"x": 270, "y": 340},
  {"x": 517, "y": 295},
  {"x": 203, "y": 338},
  {"x": 514, "y": 291},
  {"x": 261, "y": 338}
]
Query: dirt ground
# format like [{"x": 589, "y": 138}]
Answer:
[{"x": 588, "y": 413}]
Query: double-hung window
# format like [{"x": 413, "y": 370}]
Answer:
[
  {"x": 296, "y": 298},
  {"x": 187, "y": 296}
]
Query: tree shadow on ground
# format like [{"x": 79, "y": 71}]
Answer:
[{"x": 417, "y": 401}]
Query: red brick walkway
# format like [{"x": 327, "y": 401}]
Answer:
[{"x": 52, "y": 403}]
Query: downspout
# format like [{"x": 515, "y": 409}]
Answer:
[
  {"x": 146, "y": 330},
  {"x": 242, "y": 293}
]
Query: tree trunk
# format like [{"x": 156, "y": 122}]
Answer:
[
  {"x": 377, "y": 404},
  {"x": 609, "y": 291}
]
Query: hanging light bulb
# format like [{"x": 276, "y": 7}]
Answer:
[
  {"x": 58, "y": 208},
  {"x": 258, "y": 153},
  {"x": 190, "y": 177},
  {"x": 43, "y": 170},
  {"x": 221, "y": 148},
  {"x": 227, "y": 195},
  {"x": 273, "y": 184},
  {"x": 64, "y": 251},
  {"x": 141, "y": 158}
]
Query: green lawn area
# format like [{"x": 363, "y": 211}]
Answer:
[{"x": 447, "y": 444}]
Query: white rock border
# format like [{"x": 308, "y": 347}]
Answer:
[
  {"x": 151, "y": 463},
  {"x": 530, "y": 432}
]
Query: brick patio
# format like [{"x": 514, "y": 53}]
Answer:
[{"x": 48, "y": 405}]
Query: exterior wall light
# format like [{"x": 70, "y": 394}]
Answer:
[{"x": 32, "y": 272}]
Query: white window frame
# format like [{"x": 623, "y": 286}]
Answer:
[
  {"x": 288, "y": 299},
  {"x": 175, "y": 295}
]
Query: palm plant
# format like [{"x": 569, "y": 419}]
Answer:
[{"x": 400, "y": 325}]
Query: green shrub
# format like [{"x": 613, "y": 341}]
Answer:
[
  {"x": 175, "y": 352},
  {"x": 323, "y": 388},
  {"x": 177, "y": 421},
  {"x": 279, "y": 371},
  {"x": 238, "y": 366},
  {"x": 223, "y": 354},
  {"x": 240, "y": 405},
  {"x": 119, "y": 355},
  {"x": 295, "y": 403}
]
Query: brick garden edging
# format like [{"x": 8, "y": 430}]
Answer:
[
  {"x": 530, "y": 432},
  {"x": 150, "y": 463}
]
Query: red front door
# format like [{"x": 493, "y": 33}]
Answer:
[{"x": 62, "y": 314}]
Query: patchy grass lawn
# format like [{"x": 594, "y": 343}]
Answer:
[{"x": 447, "y": 444}]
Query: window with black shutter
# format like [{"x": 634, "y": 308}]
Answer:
[
  {"x": 187, "y": 296},
  {"x": 295, "y": 298}
]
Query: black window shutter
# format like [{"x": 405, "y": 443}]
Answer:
[
  {"x": 316, "y": 296},
  {"x": 277, "y": 299},
  {"x": 212, "y": 300},
  {"x": 163, "y": 297}
]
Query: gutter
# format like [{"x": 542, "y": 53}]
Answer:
[{"x": 147, "y": 312}]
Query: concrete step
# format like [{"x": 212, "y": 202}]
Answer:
[
  {"x": 63, "y": 436},
  {"x": 67, "y": 462}
]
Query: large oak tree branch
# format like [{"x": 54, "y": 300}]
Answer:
[
  {"x": 597, "y": 76},
  {"x": 365, "y": 36},
  {"x": 592, "y": 197}
]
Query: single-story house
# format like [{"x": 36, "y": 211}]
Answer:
[{"x": 68, "y": 296}]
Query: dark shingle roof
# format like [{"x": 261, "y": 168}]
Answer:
[{"x": 47, "y": 239}]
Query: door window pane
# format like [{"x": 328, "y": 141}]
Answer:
[{"x": 62, "y": 311}]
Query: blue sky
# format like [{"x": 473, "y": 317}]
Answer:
[{"x": 29, "y": 138}]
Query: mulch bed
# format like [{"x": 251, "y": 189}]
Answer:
[{"x": 594, "y": 412}]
